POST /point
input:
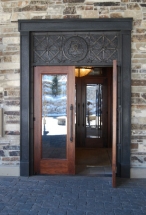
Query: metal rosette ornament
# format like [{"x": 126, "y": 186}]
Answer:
[{"x": 75, "y": 49}]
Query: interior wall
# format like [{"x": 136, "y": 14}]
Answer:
[{"x": 12, "y": 10}]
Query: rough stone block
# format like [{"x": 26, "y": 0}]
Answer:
[
  {"x": 104, "y": 16},
  {"x": 14, "y": 93},
  {"x": 139, "y": 38},
  {"x": 138, "y": 101},
  {"x": 14, "y": 153},
  {"x": 13, "y": 147},
  {"x": 135, "y": 95},
  {"x": 56, "y": 9},
  {"x": 12, "y": 103},
  {"x": 5, "y": 17},
  {"x": 15, "y": 58},
  {"x": 12, "y": 119},
  {"x": 69, "y": 10},
  {"x": 137, "y": 22},
  {"x": 80, "y": 8},
  {"x": 56, "y": 16},
  {"x": 6, "y": 3},
  {"x": 139, "y": 113},
  {"x": 142, "y": 147},
  {"x": 87, "y": 14},
  {"x": 133, "y": 6},
  {"x": 73, "y": 1},
  {"x": 14, "y": 158},
  {"x": 1, "y": 95},
  {"x": 135, "y": 14},
  {"x": 143, "y": 95},
  {"x": 20, "y": 15},
  {"x": 141, "y": 47},
  {"x": 116, "y": 15},
  {"x": 143, "y": 5},
  {"x": 2, "y": 77},
  {"x": 12, "y": 132},
  {"x": 7, "y": 59},
  {"x": 104, "y": 10},
  {"x": 120, "y": 8},
  {"x": 14, "y": 83},
  {"x": 11, "y": 40},
  {"x": 7, "y": 10},
  {"x": 134, "y": 145},
  {"x": 71, "y": 17},
  {"x": 2, "y": 153},
  {"x": 14, "y": 77},
  {"x": 138, "y": 82},
  {"x": 39, "y": 3},
  {"x": 89, "y": 7},
  {"x": 111, "y": 3},
  {"x": 138, "y": 159}
]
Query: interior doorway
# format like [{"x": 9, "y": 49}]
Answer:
[{"x": 94, "y": 122}]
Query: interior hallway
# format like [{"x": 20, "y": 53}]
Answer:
[{"x": 93, "y": 161}]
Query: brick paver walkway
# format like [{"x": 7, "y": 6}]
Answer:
[{"x": 71, "y": 195}]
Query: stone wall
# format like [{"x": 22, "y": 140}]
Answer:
[{"x": 12, "y": 10}]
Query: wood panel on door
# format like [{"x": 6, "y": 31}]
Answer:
[
  {"x": 92, "y": 110},
  {"x": 54, "y": 130}
]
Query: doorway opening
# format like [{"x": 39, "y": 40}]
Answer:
[
  {"x": 98, "y": 42},
  {"x": 73, "y": 121},
  {"x": 93, "y": 124}
]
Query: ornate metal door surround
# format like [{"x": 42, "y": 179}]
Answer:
[
  {"x": 75, "y": 48},
  {"x": 82, "y": 42}
]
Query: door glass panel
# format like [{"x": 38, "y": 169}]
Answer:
[
  {"x": 54, "y": 116},
  {"x": 94, "y": 110}
]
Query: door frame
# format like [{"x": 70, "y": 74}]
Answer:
[{"x": 121, "y": 25}]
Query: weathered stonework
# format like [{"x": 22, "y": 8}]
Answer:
[{"x": 12, "y": 10}]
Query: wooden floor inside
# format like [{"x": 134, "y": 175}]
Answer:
[{"x": 93, "y": 161}]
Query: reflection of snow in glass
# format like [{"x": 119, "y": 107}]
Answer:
[
  {"x": 54, "y": 95},
  {"x": 51, "y": 125}
]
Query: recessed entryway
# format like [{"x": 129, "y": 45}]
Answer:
[
  {"x": 73, "y": 131},
  {"x": 98, "y": 43}
]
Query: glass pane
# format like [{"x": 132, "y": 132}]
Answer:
[
  {"x": 94, "y": 110},
  {"x": 54, "y": 119}
]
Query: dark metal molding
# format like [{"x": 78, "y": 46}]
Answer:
[
  {"x": 28, "y": 28},
  {"x": 75, "y": 25}
]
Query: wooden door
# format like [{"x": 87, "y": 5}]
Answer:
[
  {"x": 92, "y": 111},
  {"x": 54, "y": 130},
  {"x": 114, "y": 124}
]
